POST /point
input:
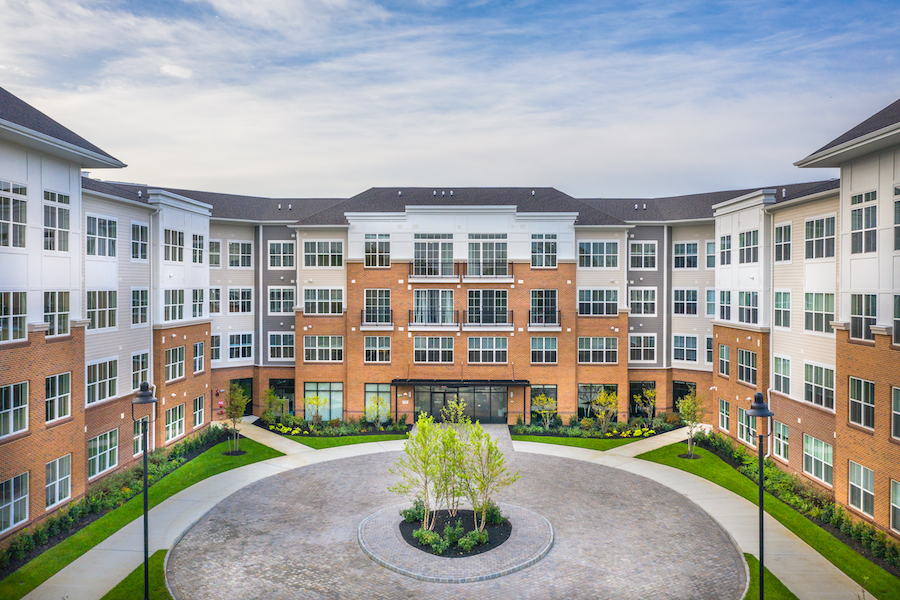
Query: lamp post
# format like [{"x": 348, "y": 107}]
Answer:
[
  {"x": 759, "y": 408},
  {"x": 144, "y": 396}
]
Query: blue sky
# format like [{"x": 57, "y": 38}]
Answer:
[{"x": 329, "y": 97}]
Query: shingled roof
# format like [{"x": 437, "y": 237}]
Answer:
[
  {"x": 18, "y": 112},
  {"x": 883, "y": 118}
]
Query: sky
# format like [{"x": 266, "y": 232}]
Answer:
[{"x": 326, "y": 98}]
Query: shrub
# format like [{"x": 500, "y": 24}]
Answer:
[
  {"x": 472, "y": 539},
  {"x": 573, "y": 420},
  {"x": 587, "y": 424},
  {"x": 453, "y": 533},
  {"x": 415, "y": 513},
  {"x": 430, "y": 538},
  {"x": 519, "y": 421},
  {"x": 492, "y": 514}
]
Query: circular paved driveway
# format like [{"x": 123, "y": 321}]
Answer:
[{"x": 618, "y": 535}]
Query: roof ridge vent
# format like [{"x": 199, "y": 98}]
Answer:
[
  {"x": 434, "y": 193},
  {"x": 279, "y": 206},
  {"x": 451, "y": 192},
  {"x": 645, "y": 206},
  {"x": 443, "y": 192},
  {"x": 635, "y": 207},
  {"x": 290, "y": 206},
  {"x": 532, "y": 192},
  {"x": 399, "y": 192}
]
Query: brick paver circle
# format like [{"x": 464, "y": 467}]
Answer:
[
  {"x": 381, "y": 540},
  {"x": 616, "y": 535}
]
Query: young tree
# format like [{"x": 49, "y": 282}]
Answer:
[
  {"x": 691, "y": 410},
  {"x": 316, "y": 403},
  {"x": 605, "y": 405},
  {"x": 235, "y": 403},
  {"x": 544, "y": 406},
  {"x": 486, "y": 471},
  {"x": 449, "y": 485},
  {"x": 419, "y": 466},
  {"x": 377, "y": 410},
  {"x": 647, "y": 401},
  {"x": 273, "y": 405},
  {"x": 454, "y": 410}
]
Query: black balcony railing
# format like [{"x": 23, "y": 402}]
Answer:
[
  {"x": 489, "y": 269},
  {"x": 547, "y": 318},
  {"x": 376, "y": 316},
  {"x": 488, "y": 317},
  {"x": 433, "y": 268},
  {"x": 427, "y": 316}
]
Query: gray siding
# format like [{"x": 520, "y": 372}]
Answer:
[
  {"x": 639, "y": 324},
  {"x": 275, "y": 277}
]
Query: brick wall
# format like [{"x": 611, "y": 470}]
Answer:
[{"x": 738, "y": 393}]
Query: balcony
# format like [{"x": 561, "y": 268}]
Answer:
[
  {"x": 427, "y": 319},
  {"x": 434, "y": 270},
  {"x": 487, "y": 319},
  {"x": 547, "y": 320},
  {"x": 376, "y": 319},
  {"x": 488, "y": 271}
]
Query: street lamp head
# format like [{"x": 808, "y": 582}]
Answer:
[
  {"x": 759, "y": 408},
  {"x": 144, "y": 395}
]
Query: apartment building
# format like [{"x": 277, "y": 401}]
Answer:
[{"x": 420, "y": 295}]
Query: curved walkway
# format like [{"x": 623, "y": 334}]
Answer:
[{"x": 806, "y": 573}]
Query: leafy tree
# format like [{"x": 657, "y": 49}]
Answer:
[
  {"x": 454, "y": 410},
  {"x": 647, "y": 401},
  {"x": 419, "y": 466},
  {"x": 317, "y": 403},
  {"x": 450, "y": 483},
  {"x": 235, "y": 403},
  {"x": 486, "y": 471},
  {"x": 273, "y": 405},
  {"x": 544, "y": 406},
  {"x": 605, "y": 405},
  {"x": 377, "y": 410},
  {"x": 691, "y": 410}
]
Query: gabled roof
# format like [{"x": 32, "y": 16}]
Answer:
[
  {"x": 526, "y": 200},
  {"x": 112, "y": 189},
  {"x": 16, "y": 112},
  {"x": 883, "y": 118},
  {"x": 878, "y": 131}
]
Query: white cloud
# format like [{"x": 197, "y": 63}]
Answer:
[{"x": 176, "y": 71}]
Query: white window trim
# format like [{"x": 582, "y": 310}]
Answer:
[
  {"x": 655, "y": 348},
  {"x": 227, "y": 255},
  {"x": 862, "y": 490},
  {"x": 834, "y": 389},
  {"x": 106, "y": 258},
  {"x": 737, "y": 364},
  {"x": 194, "y": 356},
  {"x": 837, "y": 299},
  {"x": 149, "y": 367},
  {"x": 183, "y": 423},
  {"x": 330, "y": 241},
  {"x": 699, "y": 254},
  {"x": 194, "y": 411},
  {"x": 655, "y": 254},
  {"x": 225, "y": 346},
  {"x": 715, "y": 303},
  {"x": 269, "y": 255},
  {"x": 107, "y": 329},
  {"x": 209, "y": 299},
  {"x": 706, "y": 338},
  {"x": 184, "y": 370},
  {"x": 803, "y": 465},
  {"x": 69, "y": 414},
  {"x": 219, "y": 335},
  {"x": 494, "y": 351},
  {"x": 597, "y": 289},
  {"x": 151, "y": 439},
  {"x": 28, "y": 406},
  {"x": 706, "y": 254},
  {"x": 759, "y": 246},
  {"x": 227, "y": 299},
  {"x": 301, "y": 301},
  {"x": 373, "y": 362},
  {"x": 592, "y": 362},
  {"x": 269, "y": 346},
  {"x": 698, "y": 302},
  {"x": 145, "y": 324},
  {"x": 618, "y": 244},
  {"x": 862, "y": 404},
  {"x": 719, "y": 414},
  {"x": 894, "y": 391},
  {"x": 696, "y": 348},
  {"x": 749, "y": 430},
  {"x": 784, "y": 444},
  {"x": 790, "y": 259},
  {"x": 219, "y": 266},
  {"x": 110, "y": 467},
  {"x": 790, "y": 309},
  {"x": 790, "y": 375},
  {"x": 269, "y": 300},
  {"x": 837, "y": 236},
  {"x": 139, "y": 260},
  {"x": 86, "y": 383},
  {"x": 440, "y": 351},
  {"x": 655, "y": 301},
  {"x": 162, "y": 246},
  {"x": 59, "y": 501}
]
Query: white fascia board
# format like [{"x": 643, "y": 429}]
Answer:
[
  {"x": 764, "y": 197},
  {"x": 166, "y": 198},
  {"x": 374, "y": 216},
  {"x": 842, "y": 153},
  {"x": 459, "y": 208},
  {"x": 703, "y": 221},
  {"x": 339, "y": 226},
  {"x": 56, "y": 147},
  {"x": 803, "y": 200},
  {"x": 118, "y": 199},
  {"x": 547, "y": 216},
  {"x": 250, "y": 221},
  {"x": 624, "y": 226}
]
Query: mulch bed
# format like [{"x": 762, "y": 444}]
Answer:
[
  {"x": 263, "y": 425},
  {"x": 560, "y": 434},
  {"x": 497, "y": 534}
]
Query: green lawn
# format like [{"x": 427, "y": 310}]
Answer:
[
  {"x": 881, "y": 584},
  {"x": 589, "y": 443},
  {"x": 345, "y": 440},
  {"x": 133, "y": 586},
  {"x": 209, "y": 463},
  {"x": 775, "y": 590}
]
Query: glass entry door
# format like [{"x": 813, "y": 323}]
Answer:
[{"x": 485, "y": 404}]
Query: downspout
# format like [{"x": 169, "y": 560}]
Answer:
[
  {"x": 770, "y": 314},
  {"x": 153, "y": 294}
]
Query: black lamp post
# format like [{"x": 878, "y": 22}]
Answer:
[
  {"x": 759, "y": 408},
  {"x": 144, "y": 396}
]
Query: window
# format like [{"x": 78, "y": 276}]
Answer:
[
  {"x": 543, "y": 308},
  {"x": 56, "y": 312},
  {"x": 13, "y": 310},
  {"x": 819, "y": 312},
  {"x": 747, "y": 366},
  {"x": 642, "y": 255},
  {"x": 140, "y": 369},
  {"x": 748, "y": 307},
  {"x": 598, "y": 302},
  {"x": 58, "y": 486},
  {"x": 862, "y": 488},
  {"x": 240, "y": 300},
  {"x": 896, "y": 219},
  {"x": 433, "y": 307},
  {"x": 783, "y": 375},
  {"x": 333, "y": 393},
  {"x": 711, "y": 255},
  {"x": 240, "y": 255},
  {"x": 895, "y": 505},
  {"x": 173, "y": 305},
  {"x": 685, "y": 348},
  {"x": 863, "y": 223},
  {"x": 101, "y": 380},
  {"x": 817, "y": 456},
  {"x": 642, "y": 348},
  {"x": 543, "y": 349},
  {"x": 782, "y": 309},
  {"x": 588, "y": 392},
  {"x": 281, "y": 255},
  {"x": 323, "y": 302},
  {"x": 197, "y": 303},
  {"x": 140, "y": 307},
  {"x": 378, "y": 307},
  {"x": 215, "y": 301},
  {"x": 374, "y": 392},
  {"x": 783, "y": 243},
  {"x": 100, "y": 237},
  {"x": 862, "y": 402},
  {"x": 818, "y": 385},
  {"x": 685, "y": 255},
  {"x": 323, "y": 348},
  {"x": 543, "y": 250},
  {"x": 487, "y": 307},
  {"x": 746, "y": 427},
  {"x": 433, "y": 257},
  {"x": 433, "y": 349},
  {"x": 197, "y": 254},
  {"x": 174, "y": 363},
  {"x": 820, "y": 238},
  {"x": 13, "y": 213},
  {"x": 862, "y": 316},
  {"x": 711, "y": 304},
  {"x": 602, "y": 255},
  {"x": 377, "y": 348},
  {"x": 780, "y": 439},
  {"x": 13, "y": 497},
  {"x": 103, "y": 452},
  {"x": 643, "y": 301},
  {"x": 101, "y": 309},
  {"x": 323, "y": 254},
  {"x": 13, "y": 408},
  {"x": 56, "y": 223},
  {"x": 685, "y": 302},
  {"x": 487, "y": 255},
  {"x": 549, "y": 391},
  {"x": 725, "y": 250},
  {"x": 137, "y": 439},
  {"x": 199, "y": 356},
  {"x": 377, "y": 248},
  {"x": 174, "y": 422},
  {"x": 215, "y": 347},
  {"x": 724, "y": 414},
  {"x": 724, "y": 360},
  {"x": 58, "y": 396},
  {"x": 215, "y": 253},
  {"x": 140, "y": 235},
  {"x": 725, "y": 306},
  {"x": 487, "y": 349},
  {"x": 896, "y": 328},
  {"x": 709, "y": 350},
  {"x": 240, "y": 345},
  {"x": 748, "y": 244},
  {"x": 281, "y": 300},
  {"x": 895, "y": 412},
  {"x": 198, "y": 411},
  {"x": 173, "y": 245},
  {"x": 281, "y": 346},
  {"x": 598, "y": 350}
]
